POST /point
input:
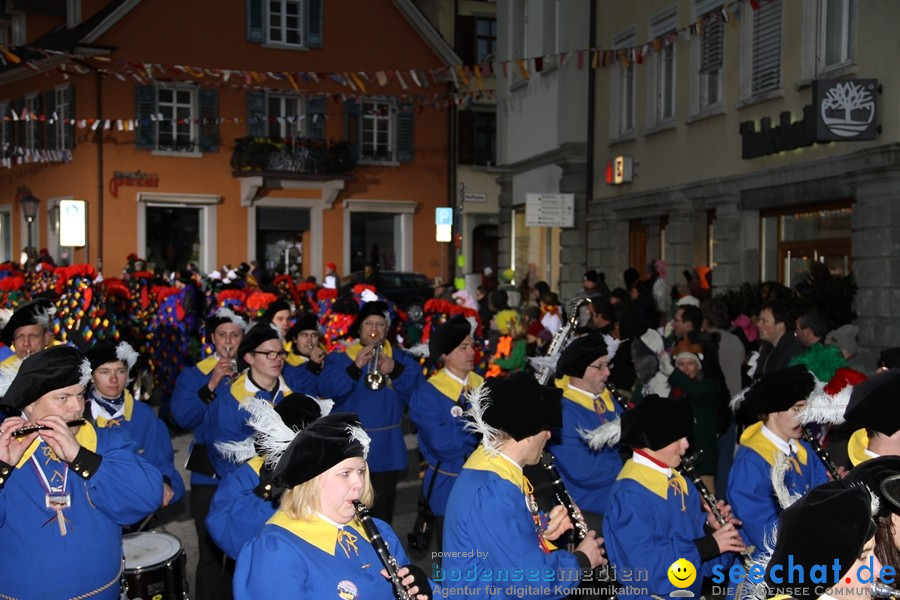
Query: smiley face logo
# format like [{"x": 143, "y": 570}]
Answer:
[{"x": 682, "y": 573}]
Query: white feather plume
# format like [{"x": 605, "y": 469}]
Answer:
[
  {"x": 751, "y": 364},
  {"x": 272, "y": 436},
  {"x": 126, "y": 354},
  {"x": 612, "y": 346},
  {"x": 479, "y": 399},
  {"x": 605, "y": 435},
  {"x": 5, "y": 314},
  {"x": 86, "y": 372},
  {"x": 326, "y": 405},
  {"x": 359, "y": 434},
  {"x": 237, "y": 452},
  {"x": 226, "y": 313},
  {"x": 826, "y": 408},
  {"x": 42, "y": 316},
  {"x": 779, "y": 469},
  {"x": 738, "y": 399},
  {"x": 8, "y": 371},
  {"x": 419, "y": 350},
  {"x": 874, "y": 502},
  {"x": 747, "y": 590},
  {"x": 473, "y": 323}
]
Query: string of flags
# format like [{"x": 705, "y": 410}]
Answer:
[{"x": 362, "y": 83}]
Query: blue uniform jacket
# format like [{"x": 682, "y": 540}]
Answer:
[
  {"x": 152, "y": 438},
  {"x": 186, "y": 407},
  {"x": 38, "y": 562},
  {"x": 380, "y": 411},
  {"x": 310, "y": 559},
  {"x": 650, "y": 522},
  {"x": 225, "y": 421},
  {"x": 750, "y": 492},
  {"x": 299, "y": 376},
  {"x": 588, "y": 474},
  {"x": 436, "y": 409},
  {"x": 491, "y": 541},
  {"x": 237, "y": 513}
]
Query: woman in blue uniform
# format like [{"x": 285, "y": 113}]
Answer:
[
  {"x": 111, "y": 405},
  {"x": 315, "y": 546},
  {"x": 65, "y": 492}
]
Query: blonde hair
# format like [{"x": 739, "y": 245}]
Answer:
[{"x": 302, "y": 501}]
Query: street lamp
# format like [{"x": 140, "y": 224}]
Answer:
[{"x": 30, "y": 206}]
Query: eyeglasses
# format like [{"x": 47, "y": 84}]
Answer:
[
  {"x": 271, "y": 354},
  {"x": 600, "y": 367}
]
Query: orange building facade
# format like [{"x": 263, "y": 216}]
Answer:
[{"x": 289, "y": 132}]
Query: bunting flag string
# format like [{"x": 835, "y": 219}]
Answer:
[{"x": 363, "y": 83}]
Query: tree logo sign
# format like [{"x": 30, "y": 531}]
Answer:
[{"x": 845, "y": 109}]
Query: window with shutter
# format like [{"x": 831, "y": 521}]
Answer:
[
  {"x": 485, "y": 138},
  {"x": 663, "y": 97},
  {"x": 257, "y": 119},
  {"x": 351, "y": 125},
  {"x": 624, "y": 86},
  {"x": 465, "y": 137},
  {"x": 50, "y": 124},
  {"x": 33, "y": 129},
  {"x": 61, "y": 134},
  {"x": 209, "y": 119},
  {"x": 285, "y": 116},
  {"x": 285, "y": 22},
  {"x": 315, "y": 117},
  {"x": 766, "y": 60},
  {"x": 405, "y": 117},
  {"x": 836, "y": 32}
]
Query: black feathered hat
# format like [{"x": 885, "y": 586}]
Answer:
[
  {"x": 225, "y": 315},
  {"x": 321, "y": 445},
  {"x": 376, "y": 307},
  {"x": 298, "y": 410},
  {"x": 36, "y": 312},
  {"x": 776, "y": 391},
  {"x": 448, "y": 336},
  {"x": 583, "y": 350},
  {"x": 517, "y": 405},
  {"x": 274, "y": 308},
  {"x": 874, "y": 403},
  {"x": 805, "y": 540},
  {"x": 656, "y": 422},
  {"x": 306, "y": 322},
  {"x": 873, "y": 473},
  {"x": 106, "y": 352},
  {"x": 51, "y": 369},
  {"x": 260, "y": 333}
]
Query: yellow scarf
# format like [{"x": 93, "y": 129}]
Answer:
[
  {"x": 754, "y": 439},
  {"x": 655, "y": 481}
]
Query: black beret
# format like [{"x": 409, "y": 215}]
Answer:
[
  {"x": 376, "y": 307},
  {"x": 319, "y": 446},
  {"x": 306, "y": 322},
  {"x": 778, "y": 391},
  {"x": 522, "y": 407},
  {"x": 298, "y": 410},
  {"x": 27, "y": 314},
  {"x": 51, "y": 369},
  {"x": 873, "y": 473},
  {"x": 875, "y": 403},
  {"x": 656, "y": 422},
  {"x": 583, "y": 350},
  {"x": 447, "y": 336},
  {"x": 831, "y": 522},
  {"x": 106, "y": 352},
  {"x": 259, "y": 334},
  {"x": 275, "y": 307}
]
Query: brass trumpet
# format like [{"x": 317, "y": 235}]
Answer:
[{"x": 374, "y": 379}]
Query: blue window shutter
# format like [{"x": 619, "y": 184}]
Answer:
[
  {"x": 315, "y": 117},
  {"x": 145, "y": 135},
  {"x": 256, "y": 114},
  {"x": 314, "y": 10},
  {"x": 49, "y": 107},
  {"x": 351, "y": 125},
  {"x": 405, "y": 137},
  {"x": 209, "y": 119},
  {"x": 255, "y": 32},
  {"x": 70, "y": 127}
]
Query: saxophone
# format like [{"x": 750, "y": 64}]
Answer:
[{"x": 562, "y": 336}]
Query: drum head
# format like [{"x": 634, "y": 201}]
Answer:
[{"x": 148, "y": 549}]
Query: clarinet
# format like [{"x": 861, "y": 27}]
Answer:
[
  {"x": 617, "y": 398},
  {"x": 562, "y": 494},
  {"x": 820, "y": 452},
  {"x": 561, "y": 337},
  {"x": 381, "y": 549}
]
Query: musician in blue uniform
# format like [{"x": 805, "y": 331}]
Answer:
[
  {"x": 260, "y": 360},
  {"x": 314, "y": 546},
  {"x": 873, "y": 407},
  {"x": 347, "y": 379},
  {"x": 278, "y": 313},
  {"x": 437, "y": 410},
  {"x": 65, "y": 492},
  {"x": 493, "y": 528},
  {"x": 654, "y": 516},
  {"x": 777, "y": 399},
  {"x": 306, "y": 358},
  {"x": 582, "y": 371},
  {"x": 28, "y": 330},
  {"x": 111, "y": 405},
  {"x": 195, "y": 388},
  {"x": 246, "y": 498}
]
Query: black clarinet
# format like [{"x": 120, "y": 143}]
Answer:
[
  {"x": 617, "y": 398},
  {"x": 562, "y": 494},
  {"x": 381, "y": 549},
  {"x": 820, "y": 452}
]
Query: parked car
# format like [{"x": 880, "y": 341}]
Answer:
[{"x": 408, "y": 290}]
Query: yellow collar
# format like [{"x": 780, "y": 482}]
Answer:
[
  {"x": 256, "y": 463},
  {"x": 295, "y": 360},
  {"x": 653, "y": 480},
  {"x": 754, "y": 439},
  {"x": 482, "y": 460},
  {"x": 450, "y": 386},
  {"x": 243, "y": 389},
  {"x": 208, "y": 364},
  {"x": 856, "y": 447},
  {"x": 128, "y": 411},
  {"x": 316, "y": 531},
  {"x": 354, "y": 349},
  {"x": 582, "y": 398},
  {"x": 86, "y": 436}
]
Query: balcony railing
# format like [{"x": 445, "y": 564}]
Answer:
[{"x": 299, "y": 156}]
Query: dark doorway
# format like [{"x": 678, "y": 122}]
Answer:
[{"x": 279, "y": 240}]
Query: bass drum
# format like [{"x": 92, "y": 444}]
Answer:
[{"x": 154, "y": 566}]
